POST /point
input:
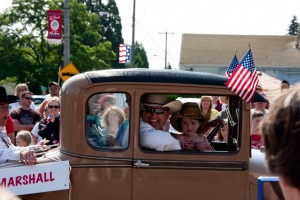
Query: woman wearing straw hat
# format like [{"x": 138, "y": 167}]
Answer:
[{"x": 188, "y": 120}]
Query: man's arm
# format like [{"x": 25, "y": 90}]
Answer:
[
  {"x": 18, "y": 154},
  {"x": 28, "y": 157},
  {"x": 157, "y": 139},
  {"x": 19, "y": 126}
]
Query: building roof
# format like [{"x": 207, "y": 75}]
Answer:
[
  {"x": 270, "y": 85},
  {"x": 204, "y": 49}
]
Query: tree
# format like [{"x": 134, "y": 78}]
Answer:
[
  {"x": 94, "y": 6},
  {"x": 110, "y": 22},
  {"x": 23, "y": 38},
  {"x": 112, "y": 29},
  {"x": 87, "y": 45},
  {"x": 26, "y": 54},
  {"x": 293, "y": 28},
  {"x": 140, "y": 56}
]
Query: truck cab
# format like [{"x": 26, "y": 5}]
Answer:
[{"x": 103, "y": 168}]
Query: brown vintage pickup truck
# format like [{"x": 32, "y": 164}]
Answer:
[{"x": 129, "y": 171}]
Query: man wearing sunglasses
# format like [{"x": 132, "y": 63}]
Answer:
[
  {"x": 156, "y": 109},
  {"x": 24, "y": 117}
]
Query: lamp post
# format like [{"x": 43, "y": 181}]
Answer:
[{"x": 66, "y": 32}]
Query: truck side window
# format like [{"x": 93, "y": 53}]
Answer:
[
  {"x": 191, "y": 125},
  {"x": 108, "y": 120}
]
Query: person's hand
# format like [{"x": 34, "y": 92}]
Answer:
[
  {"x": 43, "y": 126},
  {"x": 28, "y": 157},
  {"x": 52, "y": 115},
  {"x": 43, "y": 142}
]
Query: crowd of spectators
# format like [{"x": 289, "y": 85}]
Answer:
[
  {"x": 259, "y": 111},
  {"x": 27, "y": 128}
]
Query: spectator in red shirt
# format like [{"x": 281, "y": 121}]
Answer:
[
  {"x": 256, "y": 136},
  {"x": 10, "y": 129}
]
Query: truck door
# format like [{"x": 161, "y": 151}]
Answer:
[
  {"x": 220, "y": 174},
  {"x": 107, "y": 171}
]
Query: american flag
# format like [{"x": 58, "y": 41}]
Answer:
[
  {"x": 124, "y": 53},
  {"x": 233, "y": 65},
  {"x": 244, "y": 79}
]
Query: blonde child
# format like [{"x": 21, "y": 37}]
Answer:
[{"x": 23, "y": 138}]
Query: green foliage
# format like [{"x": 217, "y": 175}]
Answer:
[
  {"x": 293, "y": 28},
  {"x": 88, "y": 52},
  {"x": 22, "y": 35},
  {"x": 112, "y": 31},
  {"x": 140, "y": 56},
  {"x": 26, "y": 55}
]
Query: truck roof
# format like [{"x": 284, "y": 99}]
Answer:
[
  {"x": 152, "y": 75},
  {"x": 161, "y": 76}
]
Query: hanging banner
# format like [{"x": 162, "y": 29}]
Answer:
[{"x": 54, "y": 24}]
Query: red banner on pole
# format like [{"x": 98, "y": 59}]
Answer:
[{"x": 54, "y": 24}]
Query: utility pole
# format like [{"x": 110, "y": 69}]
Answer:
[
  {"x": 66, "y": 32},
  {"x": 166, "y": 48},
  {"x": 298, "y": 38},
  {"x": 133, "y": 32}
]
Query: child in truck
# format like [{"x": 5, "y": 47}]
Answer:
[{"x": 188, "y": 121}]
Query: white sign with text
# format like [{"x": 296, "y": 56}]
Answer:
[{"x": 37, "y": 178}]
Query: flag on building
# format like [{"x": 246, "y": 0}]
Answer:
[
  {"x": 124, "y": 53},
  {"x": 233, "y": 65},
  {"x": 244, "y": 79}
]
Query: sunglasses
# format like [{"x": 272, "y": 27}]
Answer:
[
  {"x": 55, "y": 107},
  {"x": 157, "y": 110},
  {"x": 28, "y": 98}
]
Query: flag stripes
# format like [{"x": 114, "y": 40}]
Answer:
[{"x": 244, "y": 79}]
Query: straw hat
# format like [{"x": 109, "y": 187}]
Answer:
[
  {"x": 189, "y": 109},
  {"x": 161, "y": 100}
]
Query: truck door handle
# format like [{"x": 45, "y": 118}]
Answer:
[{"x": 139, "y": 163}]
